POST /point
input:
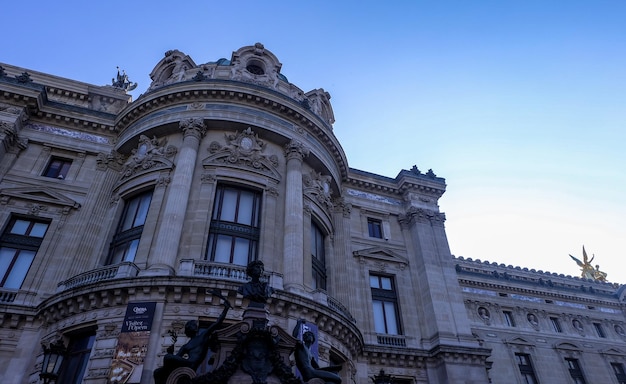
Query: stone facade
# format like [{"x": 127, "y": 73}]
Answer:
[{"x": 108, "y": 202}]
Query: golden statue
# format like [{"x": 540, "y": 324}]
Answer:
[{"x": 587, "y": 270}]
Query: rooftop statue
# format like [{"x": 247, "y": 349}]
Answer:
[
  {"x": 122, "y": 81},
  {"x": 587, "y": 269}
]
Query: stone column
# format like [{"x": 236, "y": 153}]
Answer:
[
  {"x": 293, "y": 244},
  {"x": 162, "y": 261},
  {"x": 343, "y": 291}
]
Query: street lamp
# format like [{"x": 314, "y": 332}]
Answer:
[
  {"x": 382, "y": 378},
  {"x": 52, "y": 360}
]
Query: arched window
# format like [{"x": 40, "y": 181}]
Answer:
[
  {"x": 234, "y": 230},
  {"x": 318, "y": 257},
  {"x": 126, "y": 240}
]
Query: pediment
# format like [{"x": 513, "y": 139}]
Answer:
[
  {"x": 567, "y": 346},
  {"x": 39, "y": 195},
  {"x": 613, "y": 351},
  {"x": 520, "y": 341},
  {"x": 381, "y": 254}
]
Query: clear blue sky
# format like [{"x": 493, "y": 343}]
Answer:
[{"x": 519, "y": 104}]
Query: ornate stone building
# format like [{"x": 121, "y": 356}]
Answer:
[{"x": 121, "y": 220}]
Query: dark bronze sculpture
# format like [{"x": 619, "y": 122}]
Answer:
[
  {"x": 256, "y": 290},
  {"x": 308, "y": 367},
  {"x": 191, "y": 354}
]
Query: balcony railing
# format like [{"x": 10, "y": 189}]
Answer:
[
  {"x": 7, "y": 296},
  {"x": 109, "y": 272},
  {"x": 391, "y": 340},
  {"x": 335, "y": 305},
  {"x": 220, "y": 271}
]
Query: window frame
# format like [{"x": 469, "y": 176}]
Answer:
[
  {"x": 222, "y": 231},
  {"x": 375, "y": 228},
  {"x": 575, "y": 370},
  {"x": 509, "y": 319},
  {"x": 125, "y": 242},
  {"x": 17, "y": 244},
  {"x": 318, "y": 256},
  {"x": 74, "y": 365},
  {"x": 620, "y": 373},
  {"x": 386, "y": 297},
  {"x": 599, "y": 330},
  {"x": 59, "y": 172},
  {"x": 526, "y": 370},
  {"x": 556, "y": 324}
]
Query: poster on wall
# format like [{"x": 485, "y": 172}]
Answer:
[{"x": 132, "y": 344}]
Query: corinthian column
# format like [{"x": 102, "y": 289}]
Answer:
[
  {"x": 293, "y": 245},
  {"x": 163, "y": 258}
]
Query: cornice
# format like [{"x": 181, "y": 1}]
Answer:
[
  {"x": 35, "y": 97},
  {"x": 242, "y": 93},
  {"x": 485, "y": 270},
  {"x": 403, "y": 183},
  {"x": 192, "y": 291}
]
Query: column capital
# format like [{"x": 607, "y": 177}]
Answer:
[
  {"x": 193, "y": 127},
  {"x": 420, "y": 215},
  {"x": 295, "y": 150}
]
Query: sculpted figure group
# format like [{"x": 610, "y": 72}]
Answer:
[{"x": 192, "y": 353}]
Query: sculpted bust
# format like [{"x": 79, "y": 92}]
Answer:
[{"x": 256, "y": 290}]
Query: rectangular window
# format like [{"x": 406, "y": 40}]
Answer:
[
  {"x": 57, "y": 168},
  {"x": 234, "y": 230},
  {"x": 599, "y": 330},
  {"x": 126, "y": 240},
  {"x": 575, "y": 371},
  {"x": 375, "y": 228},
  {"x": 318, "y": 257},
  {"x": 556, "y": 325},
  {"x": 75, "y": 364},
  {"x": 620, "y": 374},
  {"x": 19, "y": 243},
  {"x": 385, "y": 305},
  {"x": 526, "y": 368},
  {"x": 508, "y": 318}
]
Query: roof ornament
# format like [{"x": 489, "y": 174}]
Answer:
[
  {"x": 587, "y": 269},
  {"x": 122, "y": 81}
]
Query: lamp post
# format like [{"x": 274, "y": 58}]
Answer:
[
  {"x": 382, "y": 378},
  {"x": 52, "y": 360}
]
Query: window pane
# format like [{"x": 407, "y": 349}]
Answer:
[
  {"x": 142, "y": 210},
  {"x": 390, "y": 314},
  {"x": 229, "y": 205},
  {"x": 246, "y": 203},
  {"x": 129, "y": 214},
  {"x": 374, "y": 282},
  {"x": 222, "y": 249},
  {"x": 6, "y": 257},
  {"x": 379, "y": 317},
  {"x": 385, "y": 283},
  {"x": 20, "y": 268},
  {"x": 240, "y": 256},
  {"x": 131, "y": 250},
  {"x": 38, "y": 230},
  {"x": 20, "y": 227}
]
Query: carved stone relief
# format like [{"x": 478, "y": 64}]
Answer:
[
  {"x": 243, "y": 149},
  {"x": 150, "y": 153},
  {"x": 317, "y": 188}
]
